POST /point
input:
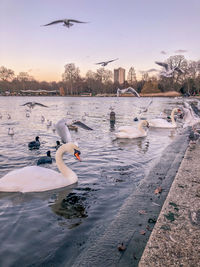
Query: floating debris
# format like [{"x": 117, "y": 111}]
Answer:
[
  {"x": 155, "y": 204},
  {"x": 142, "y": 232},
  {"x": 121, "y": 247},
  {"x": 152, "y": 220},
  {"x": 148, "y": 228},
  {"x": 158, "y": 190},
  {"x": 142, "y": 212}
]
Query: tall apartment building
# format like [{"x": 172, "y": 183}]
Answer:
[{"x": 119, "y": 75}]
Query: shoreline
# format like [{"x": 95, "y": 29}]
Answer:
[
  {"x": 129, "y": 225},
  {"x": 161, "y": 94},
  {"x": 175, "y": 240}
]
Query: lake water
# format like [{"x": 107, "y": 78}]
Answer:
[{"x": 52, "y": 228}]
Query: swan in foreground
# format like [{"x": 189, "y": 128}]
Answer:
[
  {"x": 162, "y": 123},
  {"x": 38, "y": 179},
  {"x": 63, "y": 131},
  {"x": 127, "y": 90},
  {"x": 66, "y": 22},
  {"x": 168, "y": 72},
  {"x": 133, "y": 132}
]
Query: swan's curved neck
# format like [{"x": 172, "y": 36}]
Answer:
[
  {"x": 140, "y": 127},
  {"x": 172, "y": 117},
  {"x": 66, "y": 172}
]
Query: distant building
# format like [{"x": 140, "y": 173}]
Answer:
[{"x": 119, "y": 75}]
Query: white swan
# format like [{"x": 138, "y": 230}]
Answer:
[
  {"x": 189, "y": 118},
  {"x": 162, "y": 123},
  {"x": 38, "y": 179},
  {"x": 133, "y": 132}
]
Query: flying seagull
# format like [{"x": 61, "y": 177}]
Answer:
[
  {"x": 168, "y": 72},
  {"x": 104, "y": 63},
  {"x": 127, "y": 90},
  {"x": 33, "y": 104},
  {"x": 66, "y": 22}
]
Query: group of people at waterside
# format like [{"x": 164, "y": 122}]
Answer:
[{"x": 38, "y": 179}]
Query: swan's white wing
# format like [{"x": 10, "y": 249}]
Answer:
[
  {"x": 160, "y": 123},
  {"x": 127, "y": 129},
  {"x": 33, "y": 179},
  {"x": 130, "y": 133},
  {"x": 63, "y": 131}
]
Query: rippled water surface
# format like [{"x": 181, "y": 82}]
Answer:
[{"x": 52, "y": 228}]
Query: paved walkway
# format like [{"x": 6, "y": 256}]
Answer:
[
  {"x": 136, "y": 218},
  {"x": 175, "y": 239}
]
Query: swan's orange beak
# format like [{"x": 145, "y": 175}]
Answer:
[{"x": 77, "y": 156}]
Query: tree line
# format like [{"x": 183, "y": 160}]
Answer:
[{"x": 101, "y": 81}]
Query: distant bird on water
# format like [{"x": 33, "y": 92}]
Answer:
[
  {"x": 11, "y": 131},
  {"x": 45, "y": 159},
  {"x": 168, "y": 72},
  {"x": 66, "y": 22},
  {"x": 33, "y": 104},
  {"x": 104, "y": 63},
  {"x": 34, "y": 144}
]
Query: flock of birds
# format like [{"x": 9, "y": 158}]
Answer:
[
  {"x": 43, "y": 179},
  {"x": 167, "y": 71}
]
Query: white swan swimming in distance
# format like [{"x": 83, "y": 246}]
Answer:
[
  {"x": 38, "y": 179},
  {"x": 162, "y": 123},
  {"x": 131, "y": 132}
]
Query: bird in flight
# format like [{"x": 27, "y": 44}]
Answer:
[
  {"x": 66, "y": 22},
  {"x": 127, "y": 90},
  {"x": 104, "y": 63},
  {"x": 33, "y": 104},
  {"x": 168, "y": 72}
]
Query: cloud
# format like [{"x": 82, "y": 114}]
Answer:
[
  {"x": 163, "y": 52},
  {"x": 152, "y": 70},
  {"x": 180, "y": 51}
]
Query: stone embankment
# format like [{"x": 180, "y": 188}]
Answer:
[{"x": 175, "y": 239}]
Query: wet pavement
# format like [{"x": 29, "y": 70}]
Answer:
[
  {"x": 175, "y": 240},
  {"x": 132, "y": 229}
]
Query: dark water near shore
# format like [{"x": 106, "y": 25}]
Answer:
[{"x": 52, "y": 228}]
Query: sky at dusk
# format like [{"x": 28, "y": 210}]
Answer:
[{"x": 135, "y": 31}]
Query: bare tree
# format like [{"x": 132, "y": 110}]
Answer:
[
  {"x": 24, "y": 78},
  {"x": 131, "y": 78},
  {"x": 6, "y": 74},
  {"x": 104, "y": 75},
  {"x": 71, "y": 75}
]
